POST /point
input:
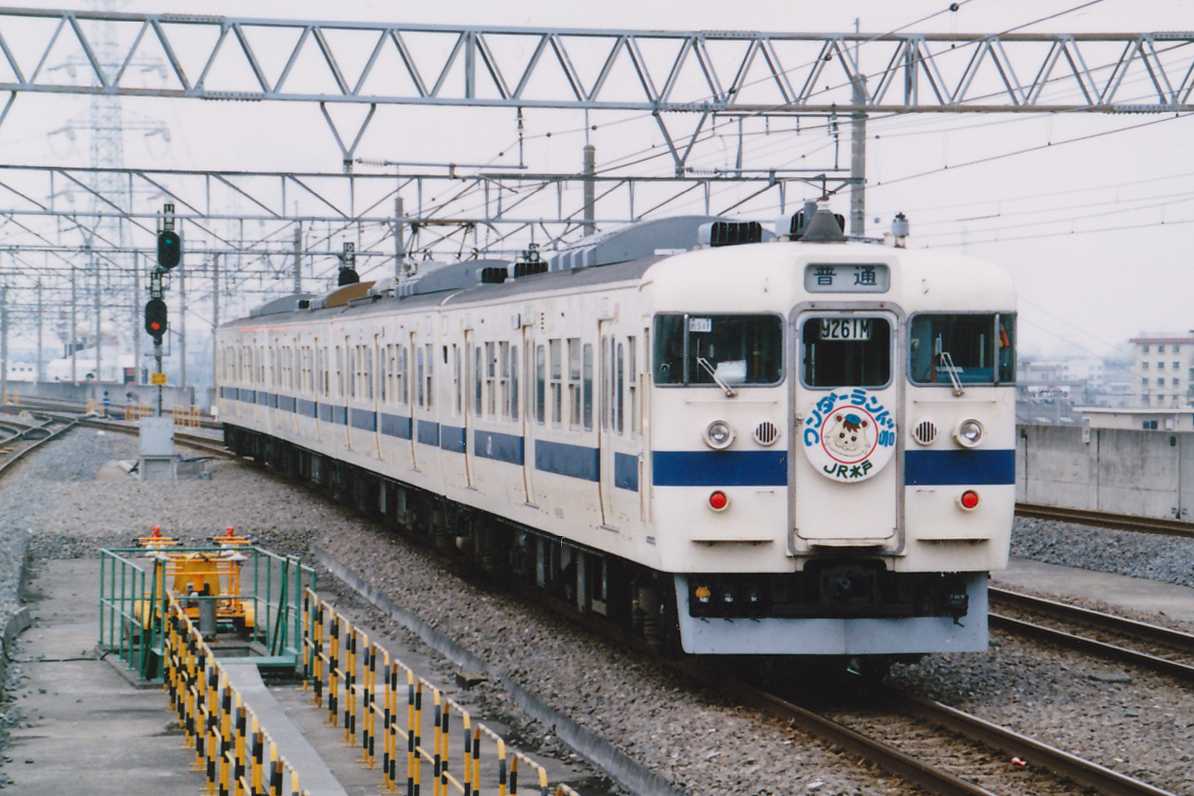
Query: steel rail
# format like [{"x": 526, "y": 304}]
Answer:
[
  {"x": 884, "y": 756},
  {"x": 1143, "y": 631},
  {"x": 1126, "y": 522},
  {"x": 1060, "y": 762},
  {"x": 12, "y": 458}
]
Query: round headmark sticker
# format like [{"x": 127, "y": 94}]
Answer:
[{"x": 848, "y": 435}]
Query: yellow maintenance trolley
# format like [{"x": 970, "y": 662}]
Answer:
[{"x": 239, "y": 595}]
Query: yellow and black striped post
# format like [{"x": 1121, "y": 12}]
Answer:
[
  {"x": 501, "y": 755},
  {"x": 350, "y": 676},
  {"x": 514, "y": 775},
  {"x": 414, "y": 721},
  {"x": 242, "y": 726},
  {"x": 258, "y": 777},
  {"x": 467, "y": 772},
  {"x": 317, "y": 653},
  {"x": 436, "y": 759},
  {"x": 390, "y": 756},
  {"x": 476, "y": 761},
  {"x": 333, "y": 671},
  {"x": 306, "y": 639},
  {"x": 368, "y": 678}
]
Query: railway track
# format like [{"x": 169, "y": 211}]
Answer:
[
  {"x": 930, "y": 745},
  {"x": 1159, "y": 649},
  {"x": 1102, "y": 519},
  {"x": 19, "y": 443},
  {"x": 208, "y": 445}
]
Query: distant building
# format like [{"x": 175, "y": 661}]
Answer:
[
  {"x": 1138, "y": 418},
  {"x": 1164, "y": 370}
]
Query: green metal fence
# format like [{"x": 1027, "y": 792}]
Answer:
[{"x": 133, "y": 598}]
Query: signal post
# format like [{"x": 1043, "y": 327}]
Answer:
[{"x": 157, "y": 460}]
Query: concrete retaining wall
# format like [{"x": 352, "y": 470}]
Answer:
[
  {"x": 81, "y": 393},
  {"x": 1143, "y": 473}
]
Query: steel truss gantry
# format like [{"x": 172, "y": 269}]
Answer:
[
  {"x": 701, "y": 72},
  {"x": 296, "y": 222},
  {"x": 913, "y": 72}
]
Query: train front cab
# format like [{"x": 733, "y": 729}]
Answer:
[{"x": 899, "y": 487}]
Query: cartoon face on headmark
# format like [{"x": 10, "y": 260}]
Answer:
[{"x": 849, "y": 436}]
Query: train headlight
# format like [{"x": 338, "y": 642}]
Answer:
[
  {"x": 703, "y": 594},
  {"x": 719, "y": 435},
  {"x": 969, "y": 433}
]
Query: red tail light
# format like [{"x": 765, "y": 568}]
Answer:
[
  {"x": 969, "y": 500},
  {"x": 718, "y": 500}
]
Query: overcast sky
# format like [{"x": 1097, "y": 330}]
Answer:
[{"x": 1080, "y": 292}]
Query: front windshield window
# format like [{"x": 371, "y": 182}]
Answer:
[
  {"x": 978, "y": 349},
  {"x": 739, "y": 349}
]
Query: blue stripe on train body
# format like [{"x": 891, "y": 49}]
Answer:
[
  {"x": 509, "y": 448},
  {"x": 626, "y": 471},
  {"x": 306, "y": 408},
  {"x": 340, "y": 415},
  {"x": 428, "y": 431},
  {"x": 395, "y": 426},
  {"x": 969, "y": 467},
  {"x": 577, "y": 461},
  {"x": 325, "y": 413},
  {"x": 719, "y": 468},
  {"x": 286, "y": 403},
  {"x": 364, "y": 419},
  {"x": 248, "y": 396},
  {"x": 453, "y": 438}
]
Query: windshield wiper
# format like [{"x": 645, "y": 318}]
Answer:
[
  {"x": 947, "y": 362},
  {"x": 704, "y": 363}
]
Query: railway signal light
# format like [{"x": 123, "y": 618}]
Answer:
[
  {"x": 169, "y": 248},
  {"x": 169, "y": 240},
  {"x": 155, "y": 319}
]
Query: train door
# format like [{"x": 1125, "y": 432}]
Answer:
[
  {"x": 526, "y": 405},
  {"x": 618, "y": 429},
  {"x": 846, "y": 401}
]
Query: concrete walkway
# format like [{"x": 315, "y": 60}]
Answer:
[
  {"x": 1137, "y": 594},
  {"x": 86, "y": 729}
]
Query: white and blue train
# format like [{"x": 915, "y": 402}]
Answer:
[{"x": 797, "y": 446}]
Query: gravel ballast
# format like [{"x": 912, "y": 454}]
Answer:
[
  {"x": 75, "y": 500},
  {"x": 1139, "y": 555},
  {"x": 1136, "y": 723}
]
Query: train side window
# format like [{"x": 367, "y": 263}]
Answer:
[
  {"x": 540, "y": 384},
  {"x": 478, "y": 380},
  {"x": 327, "y": 373},
  {"x": 430, "y": 376},
  {"x": 339, "y": 371},
  {"x": 574, "y": 386},
  {"x": 402, "y": 390},
  {"x": 632, "y": 382},
  {"x": 490, "y": 380},
  {"x": 514, "y": 371},
  {"x": 846, "y": 351},
  {"x": 457, "y": 387},
  {"x": 557, "y": 387},
  {"x": 419, "y": 375},
  {"x": 587, "y": 398},
  {"x": 619, "y": 388},
  {"x": 368, "y": 353},
  {"x": 504, "y": 377}
]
